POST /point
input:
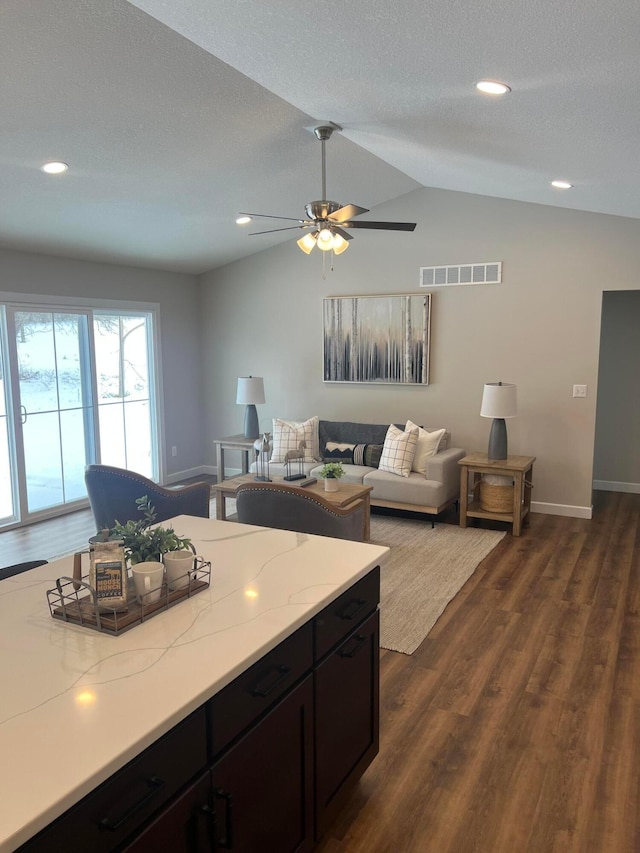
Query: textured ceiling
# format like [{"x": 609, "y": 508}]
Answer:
[{"x": 176, "y": 114}]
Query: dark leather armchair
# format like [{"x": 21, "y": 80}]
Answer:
[
  {"x": 18, "y": 568},
  {"x": 289, "y": 508},
  {"x": 113, "y": 493}
]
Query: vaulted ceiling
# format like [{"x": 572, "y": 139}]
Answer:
[{"x": 174, "y": 115}]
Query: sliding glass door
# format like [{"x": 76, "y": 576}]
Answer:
[{"x": 76, "y": 386}]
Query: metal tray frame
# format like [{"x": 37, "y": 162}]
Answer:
[{"x": 75, "y": 602}]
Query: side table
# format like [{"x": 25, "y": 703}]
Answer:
[
  {"x": 232, "y": 442},
  {"x": 519, "y": 468}
]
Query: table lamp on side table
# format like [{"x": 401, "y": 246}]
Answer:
[
  {"x": 250, "y": 391},
  {"x": 498, "y": 402}
]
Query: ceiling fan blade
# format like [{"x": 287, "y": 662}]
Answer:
[
  {"x": 272, "y": 230},
  {"x": 344, "y": 234},
  {"x": 386, "y": 226},
  {"x": 270, "y": 216},
  {"x": 346, "y": 212}
]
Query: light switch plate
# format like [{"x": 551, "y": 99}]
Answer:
[{"x": 579, "y": 390}]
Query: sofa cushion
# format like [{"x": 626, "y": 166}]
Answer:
[
  {"x": 414, "y": 489},
  {"x": 398, "y": 451},
  {"x": 287, "y": 436},
  {"x": 428, "y": 444}
]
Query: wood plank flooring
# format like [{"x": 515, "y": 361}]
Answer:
[{"x": 515, "y": 727}]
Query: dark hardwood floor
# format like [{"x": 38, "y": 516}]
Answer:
[{"x": 515, "y": 727}]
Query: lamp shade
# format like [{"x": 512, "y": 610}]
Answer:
[
  {"x": 499, "y": 400},
  {"x": 250, "y": 390}
]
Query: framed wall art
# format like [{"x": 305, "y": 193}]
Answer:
[{"x": 377, "y": 339}]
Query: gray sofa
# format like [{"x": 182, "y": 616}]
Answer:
[{"x": 430, "y": 493}]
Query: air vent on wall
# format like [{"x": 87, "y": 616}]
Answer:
[{"x": 487, "y": 273}]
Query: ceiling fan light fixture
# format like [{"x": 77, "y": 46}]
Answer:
[
  {"x": 307, "y": 243},
  {"x": 325, "y": 240},
  {"x": 340, "y": 245},
  {"x": 243, "y": 219}
]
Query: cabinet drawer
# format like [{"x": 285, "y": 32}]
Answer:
[
  {"x": 256, "y": 690},
  {"x": 104, "y": 818},
  {"x": 341, "y": 616}
]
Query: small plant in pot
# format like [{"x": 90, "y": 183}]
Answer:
[
  {"x": 144, "y": 543},
  {"x": 331, "y": 472}
]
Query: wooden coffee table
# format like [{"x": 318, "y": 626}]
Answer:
[{"x": 347, "y": 494}]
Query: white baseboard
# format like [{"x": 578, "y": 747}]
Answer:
[
  {"x": 613, "y": 486},
  {"x": 562, "y": 509},
  {"x": 178, "y": 476}
]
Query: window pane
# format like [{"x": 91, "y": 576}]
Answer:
[
  {"x": 67, "y": 329},
  {"x": 73, "y": 459},
  {"x": 138, "y": 438},
  {"x": 112, "y": 444},
  {"x": 124, "y": 377},
  {"x": 36, "y": 361},
  {"x": 44, "y": 471}
]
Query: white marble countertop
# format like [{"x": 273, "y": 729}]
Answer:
[{"x": 77, "y": 705}]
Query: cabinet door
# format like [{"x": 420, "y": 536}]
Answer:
[
  {"x": 263, "y": 786},
  {"x": 185, "y": 826},
  {"x": 346, "y": 718}
]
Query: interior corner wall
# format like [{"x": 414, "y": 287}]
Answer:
[
  {"x": 538, "y": 329},
  {"x": 616, "y": 457},
  {"x": 178, "y": 298}
]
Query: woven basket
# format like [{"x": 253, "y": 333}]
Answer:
[{"x": 496, "y": 498}]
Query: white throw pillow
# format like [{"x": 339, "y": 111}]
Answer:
[
  {"x": 287, "y": 436},
  {"x": 428, "y": 443},
  {"x": 398, "y": 451}
]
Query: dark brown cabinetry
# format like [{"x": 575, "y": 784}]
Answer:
[
  {"x": 263, "y": 765},
  {"x": 346, "y": 718},
  {"x": 263, "y": 786}
]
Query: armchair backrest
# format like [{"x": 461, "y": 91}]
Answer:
[
  {"x": 289, "y": 508},
  {"x": 113, "y": 493}
]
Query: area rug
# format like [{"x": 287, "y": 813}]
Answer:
[{"x": 425, "y": 570}]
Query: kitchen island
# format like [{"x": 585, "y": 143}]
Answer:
[{"x": 79, "y": 708}]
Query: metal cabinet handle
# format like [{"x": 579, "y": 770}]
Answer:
[
  {"x": 227, "y": 841},
  {"x": 351, "y": 610},
  {"x": 155, "y": 784},
  {"x": 352, "y": 647},
  {"x": 282, "y": 673},
  {"x": 23, "y": 414}
]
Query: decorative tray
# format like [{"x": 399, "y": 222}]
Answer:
[{"x": 75, "y": 601}]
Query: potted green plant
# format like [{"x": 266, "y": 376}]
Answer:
[
  {"x": 144, "y": 543},
  {"x": 331, "y": 472}
]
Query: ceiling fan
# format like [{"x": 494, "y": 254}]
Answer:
[{"x": 328, "y": 221}]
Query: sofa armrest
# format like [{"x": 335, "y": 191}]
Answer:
[{"x": 444, "y": 468}]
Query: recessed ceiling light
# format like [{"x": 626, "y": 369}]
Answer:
[
  {"x": 55, "y": 167},
  {"x": 561, "y": 185},
  {"x": 242, "y": 220},
  {"x": 492, "y": 87}
]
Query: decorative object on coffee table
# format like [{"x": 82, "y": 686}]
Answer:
[
  {"x": 294, "y": 463},
  {"x": 249, "y": 392},
  {"x": 331, "y": 472},
  {"x": 263, "y": 450},
  {"x": 498, "y": 402}
]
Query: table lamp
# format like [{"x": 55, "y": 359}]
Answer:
[
  {"x": 250, "y": 391},
  {"x": 498, "y": 402}
]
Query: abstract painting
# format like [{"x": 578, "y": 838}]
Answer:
[{"x": 379, "y": 339}]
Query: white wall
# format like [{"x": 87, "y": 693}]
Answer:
[
  {"x": 539, "y": 328},
  {"x": 178, "y": 298}
]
